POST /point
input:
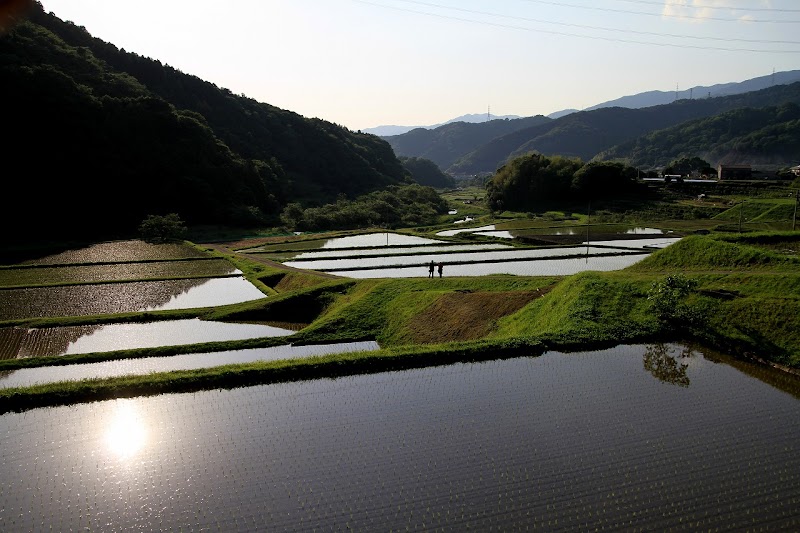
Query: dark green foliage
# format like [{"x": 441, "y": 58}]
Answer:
[
  {"x": 668, "y": 298},
  {"x": 535, "y": 181},
  {"x": 766, "y": 135},
  {"x": 425, "y": 172},
  {"x": 531, "y": 180},
  {"x": 160, "y": 229},
  {"x": 689, "y": 165},
  {"x": 100, "y": 138},
  {"x": 393, "y": 207},
  {"x": 604, "y": 179}
]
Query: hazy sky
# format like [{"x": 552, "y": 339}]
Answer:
[{"x": 365, "y": 63}]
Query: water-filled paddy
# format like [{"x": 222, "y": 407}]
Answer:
[
  {"x": 121, "y": 251},
  {"x": 140, "y": 366},
  {"x": 67, "y": 340},
  {"x": 538, "y": 267},
  {"x": 79, "y": 300},
  {"x": 369, "y": 240},
  {"x": 423, "y": 259},
  {"x": 116, "y": 272},
  {"x": 615, "y": 440},
  {"x": 395, "y": 250}
]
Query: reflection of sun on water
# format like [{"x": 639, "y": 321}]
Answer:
[{"x": 127, "y": 434}]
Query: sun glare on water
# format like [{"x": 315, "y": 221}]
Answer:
[{"x": 126, "y": 434}]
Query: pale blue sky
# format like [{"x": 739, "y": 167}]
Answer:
[{"x": 365, "y": 63}]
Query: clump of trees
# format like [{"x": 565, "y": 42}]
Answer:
[
  {"x": 686, "y": 166},
  {"x": 393, "y": 207},
  {"x": 159, "y": 229},
  {"x": 535, "y": 180}
]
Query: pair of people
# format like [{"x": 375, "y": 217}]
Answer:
[{"x": 439, "y": 267}]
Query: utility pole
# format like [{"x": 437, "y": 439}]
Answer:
[
  {"x": 794, "y": 216},
  {"x": 741, "y": 205},
  {"x": 588, "y": 214}
]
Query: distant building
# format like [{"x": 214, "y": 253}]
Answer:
[
  {"x": 795, "y": 170},
  {"x": 734, "y": 172}
]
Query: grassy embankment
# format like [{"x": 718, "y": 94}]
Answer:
[{"x": 746, "y": 300}]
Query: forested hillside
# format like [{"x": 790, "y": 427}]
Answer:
[
  {"x": 446, "y": 144},
  {"x": 588, "y": 133},
  {"x": 768, "y": 135},
  {"x": 99, "y": 138}
]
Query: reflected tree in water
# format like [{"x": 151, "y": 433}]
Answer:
[{"x": 663, "y": 366}]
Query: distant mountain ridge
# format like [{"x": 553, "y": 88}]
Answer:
[
  {"x": 469, "y": 149},
  {"x": 587, "y": 134},
  {"x": 651, "y": 98},
  {"x": 634, "y": 101},
  {"x": 474, "y": 118}
]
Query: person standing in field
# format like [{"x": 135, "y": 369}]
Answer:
[
  {"x": 430, "y": 269},
  {"x": 441, "y": 267}
]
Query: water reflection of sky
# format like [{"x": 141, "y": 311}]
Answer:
[
  {"x": 546, "y": 267},
  {"x": 139, "y": 366},
  {"x": 377, "y": 239},
  {"x": 451, "y": 232},
  {"x": 212, "y": 292},
  {"x": 424, "y": 259},
  {"x": 588, "y": 440},
  {"x": 400, "y": 250},
  {"x": 44, "y": 342}
]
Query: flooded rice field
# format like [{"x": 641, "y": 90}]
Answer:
[
  {"x": 109, "y": 298},
  {"x": 369, "y": 240},
  {"x": 646, "y": 437},
  {"x": 538, "y": 267},
  {"x": 449, "y": 258},
  {"x": 44, "y": 275},
  {"x": 19, "y": 342},
  {"x": 121, "y": 251},
  {"x": 145, "y": 365},
  {"x": 393, "y": 250}
]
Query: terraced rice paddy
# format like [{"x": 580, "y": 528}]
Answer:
[
  {"x": 110, "y": 298},
  {"x": 120, "y": 252},
  {"x": 140, "y": 366},
  {"x": 99, "y": 273},
  {"x": 67, "y": 340},
  {"x": 483, "y": 256},
  {"x": 560, "y": 442},
  {"x": 545, "y": 267},
  {"x": 467, "y": 259}
]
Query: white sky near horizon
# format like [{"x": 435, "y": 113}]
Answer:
[{"x": 366, "y": 63}]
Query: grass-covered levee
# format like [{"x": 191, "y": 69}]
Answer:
[{"x": 734, "y": 293}]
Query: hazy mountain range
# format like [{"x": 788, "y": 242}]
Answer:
[
  {"x": 634, "y": 101},
  {"x": 474, "y": 118},
  {"x": 771, "y": 137}
]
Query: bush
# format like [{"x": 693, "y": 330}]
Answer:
[{"x": 160, "y": 229}]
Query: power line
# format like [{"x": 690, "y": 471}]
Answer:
[
  {"x": 565, "y": 34},
  {"x": 706, "y": 6},
  {"x": 612, "y": 10},
  {"x": 601, "y": 28}
]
